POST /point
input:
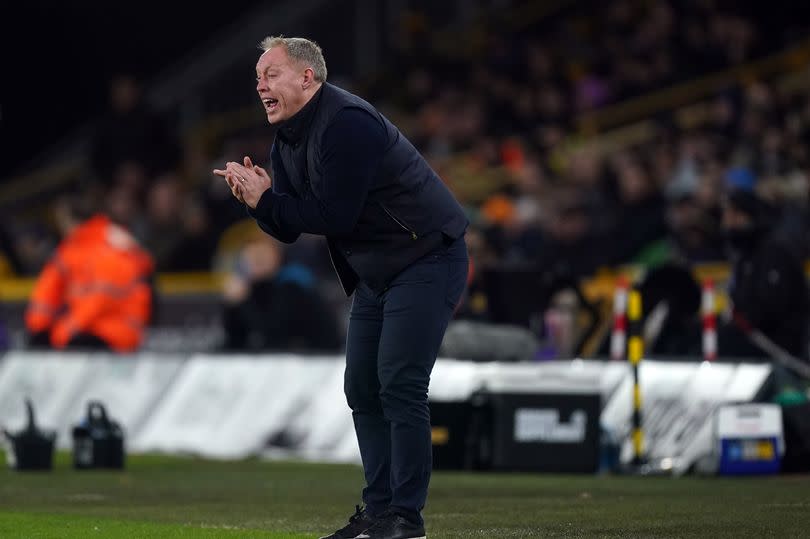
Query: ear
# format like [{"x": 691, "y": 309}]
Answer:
[{"x": 308, "y": 79}]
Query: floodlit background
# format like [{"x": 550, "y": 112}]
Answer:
[
  {"x": 580, "y": 136},
  {"x": 599, "y": 148}
]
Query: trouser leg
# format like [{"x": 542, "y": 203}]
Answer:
[
  {"x": 417, "y": 308},
  {"x": 362, "y": 388}
]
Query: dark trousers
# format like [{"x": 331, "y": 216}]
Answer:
[{"x": 392, "y": 344}]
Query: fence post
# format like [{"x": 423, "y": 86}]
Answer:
[
  {"x": 618, "y": 337},
  {"x": 635, "y": 351},
  {"x": 709, "y": 315}
]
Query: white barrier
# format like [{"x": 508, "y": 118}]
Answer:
[
  {"x": 285, "y": 405},
  {"x": 679, "y": 402},
  {"x": 227, "y": 407},
  {"x": 51, "y": 381},
  {"x": 61, "y": 385}
]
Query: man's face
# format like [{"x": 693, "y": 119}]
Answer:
[{"x": 280, "y": 84}]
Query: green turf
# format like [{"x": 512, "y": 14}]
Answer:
[{"x": 189, "y": 498}]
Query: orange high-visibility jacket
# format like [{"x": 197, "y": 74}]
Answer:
[{"x": 96, "y": 283}]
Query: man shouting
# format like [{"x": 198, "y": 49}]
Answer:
[{"x": 395, "y": 234}]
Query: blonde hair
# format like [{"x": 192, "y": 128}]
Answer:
[{"x": 300, "y": 50}]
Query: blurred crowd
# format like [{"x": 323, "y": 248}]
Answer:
[{"x": 501, "y": 128}]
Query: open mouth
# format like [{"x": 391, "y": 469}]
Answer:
[{"x": 270, "y": 104}]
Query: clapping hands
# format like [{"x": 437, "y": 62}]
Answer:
[{"x": 247, "y": 182}]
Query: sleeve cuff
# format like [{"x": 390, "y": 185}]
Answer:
[{"x": 263, "y": 207}]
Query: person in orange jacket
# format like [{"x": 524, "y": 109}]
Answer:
[{"x": 95, "y": 291}]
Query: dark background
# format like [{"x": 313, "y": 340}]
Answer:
[{"x": 58, "y": 57}]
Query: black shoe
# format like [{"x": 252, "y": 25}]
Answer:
[
  {"x": 393, "y": 526},
  {"x": 359, "y": 522}
]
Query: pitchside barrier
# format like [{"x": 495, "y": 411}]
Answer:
[{"x": 543, "y": 416}]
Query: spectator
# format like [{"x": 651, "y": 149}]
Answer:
[
  {"x": 121, "y": 205},
  {"x": 507, "y": 124},
  {"x": 693, "y": 230},
  {"x": 132, "y": 134},
  {"x": 164, "y": 203},
  {"x": 94, "y": 292},
  {"x": 640, "y": 210},
  {"x": 769, "y": 289},
  {"x": 671, "y": 294},
  {"x": 571, "y": 246},
  {"x": 196, "y": 245},
  {"x": 10, "y": 261},
  {"x": 474, "y": 305},
  {"x": 270, "y": 305},
  {"x": 27, "y": 245}
]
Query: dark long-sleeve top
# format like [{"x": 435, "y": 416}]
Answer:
[
  {"x": 351, "y": 149},
  {"x": 342, "y": 170}
]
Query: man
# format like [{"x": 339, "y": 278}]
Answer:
[
  {"x": 95, "y": 290},
  {"x": 768, "y": 287},
  {"x": 395, "y": 235},
  {"x": 271, "y": 304},
  {"x": 132, "y": 141}
]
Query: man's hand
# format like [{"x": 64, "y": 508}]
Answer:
[
  {"x": 247, "y": 182},
  {"x": 233, "y": 184}
]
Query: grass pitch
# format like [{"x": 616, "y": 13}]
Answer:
[{"x": 189, "y": 498}]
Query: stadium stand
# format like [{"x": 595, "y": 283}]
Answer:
[{"x": 582, "y": 137}]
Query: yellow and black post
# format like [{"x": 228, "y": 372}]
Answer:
[{"x": 635, "y": 351}]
